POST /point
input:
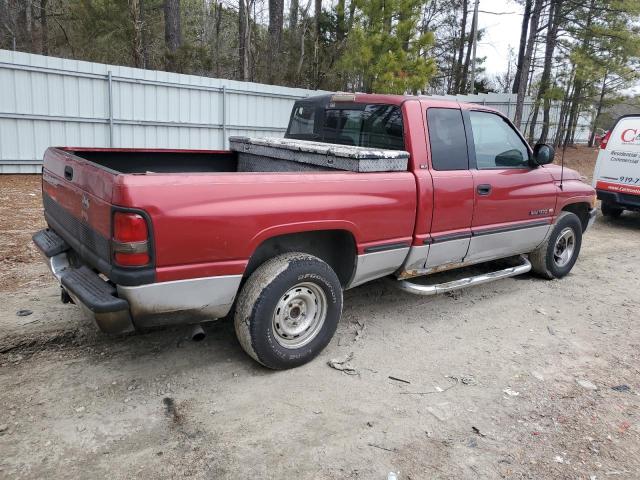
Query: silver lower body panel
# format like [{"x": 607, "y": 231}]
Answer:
[
  {"x": 376, "y": 265},
  {"x": 181, "y": 301},
  {"x": 163, "y": 303},
  {"x": 504, "y": 244}
]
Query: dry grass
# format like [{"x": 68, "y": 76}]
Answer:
[
  {"x": 20, "y": 216},
  {"x": 580, "y": 158}
]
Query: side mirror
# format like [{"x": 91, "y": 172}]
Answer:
[{"x": 543, "y": 154}]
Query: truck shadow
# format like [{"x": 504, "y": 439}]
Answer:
[{"x": 627, "y": 221}]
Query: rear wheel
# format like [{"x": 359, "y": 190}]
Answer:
[
  {"x": 611, "y": 211},
  {"x": 557, "y": 255},
  {"x": 288, "y": 310}
]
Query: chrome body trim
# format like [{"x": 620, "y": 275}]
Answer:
[
  {"x": 592, "y": 218},
  {"x": 376, "y": 265},
  {"x": 505, "y": 244},
  {"x": 163, "y": 303},
  {"x": 57, "y": 264},
  {"x": 418, "y": 289},
  {"x": 108, "y": 322},
  {"x": 181, "y": 301}
]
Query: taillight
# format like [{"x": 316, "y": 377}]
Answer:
[
  {"x": 130, "y": 241},
  {"x": 605, "y": 140}
]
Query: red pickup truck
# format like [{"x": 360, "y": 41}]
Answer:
[{"x": 141, "y": 238}]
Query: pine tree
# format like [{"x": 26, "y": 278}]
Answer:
[{"x": 385, "y": 48}]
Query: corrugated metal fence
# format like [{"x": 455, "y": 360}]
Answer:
[{"x": 52, "y": 101}]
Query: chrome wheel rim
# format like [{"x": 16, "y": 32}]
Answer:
[
  {"x": 299, "y": 315},
  {"x": 564, "y": 247}
]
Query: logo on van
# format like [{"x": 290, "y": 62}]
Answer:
[{"x": 631, "y": 136}]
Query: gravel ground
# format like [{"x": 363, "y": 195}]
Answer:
[{"x": 521, "y": 378}]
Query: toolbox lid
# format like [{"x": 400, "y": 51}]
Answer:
[{"x": 245, "y": 144}]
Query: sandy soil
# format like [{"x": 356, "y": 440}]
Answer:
[{"x": 513, "y": 379}]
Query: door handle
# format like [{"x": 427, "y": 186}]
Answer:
[
  {"x": 68, "y": 173},
  {"x": 484, "y": 189}
]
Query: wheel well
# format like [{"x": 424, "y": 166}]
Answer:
[
  {"x": 336, "y": 247},
  {"x": 582, "y": 212}
]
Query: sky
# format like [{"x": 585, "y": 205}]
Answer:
[{"x": 501, "y": 31}]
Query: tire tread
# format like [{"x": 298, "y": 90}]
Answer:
[
  {"x": 539, "y": 258},
  {"x": 254, "y": 290}
]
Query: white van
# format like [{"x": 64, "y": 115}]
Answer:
[{"x": 617, "y": 174}]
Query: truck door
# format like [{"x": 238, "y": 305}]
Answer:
[
  {"x": 514, "y": 202},
  {"x": 452, "y": 187}
]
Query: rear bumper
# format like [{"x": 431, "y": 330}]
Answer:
[
  {"x": 617, "y": 199},
  {"x": 120, "y": 309}
]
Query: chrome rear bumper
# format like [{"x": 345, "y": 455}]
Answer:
[{"x": 120, "y": 309}]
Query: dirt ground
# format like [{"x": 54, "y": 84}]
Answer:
[{"x": 521, "y": 378}]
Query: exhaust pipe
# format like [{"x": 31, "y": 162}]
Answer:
[{"x": 198, "y": 334}]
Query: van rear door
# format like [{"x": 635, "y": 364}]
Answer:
[{"x": 617, "y": 173}]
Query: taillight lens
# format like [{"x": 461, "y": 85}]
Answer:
[
  {"x": 132, "y": 259},
  {"x": 130, "y": 239},
  {"x": 605, "y": 140},
  {"x": 129, "y": 227}
]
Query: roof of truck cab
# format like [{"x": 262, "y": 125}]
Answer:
[{"x": 400, "y": 99}]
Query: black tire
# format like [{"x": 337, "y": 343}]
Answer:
[
  {"x": 260, "y": 310},
  {"x": 544, "y": 261},
  {"x": 611, "y": 211}
]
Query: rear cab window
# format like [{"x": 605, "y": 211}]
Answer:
[
  {"x": 447, "y": 139},
  {"x": 362, "y": 125}
]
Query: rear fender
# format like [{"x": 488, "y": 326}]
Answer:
[{"x": 301, "y": 227}]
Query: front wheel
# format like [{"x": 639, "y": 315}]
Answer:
[
  {"x": 557, "y": 255},
  {"x": 288, "y": 310}
]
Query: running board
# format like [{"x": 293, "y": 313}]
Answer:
[{"x": 438, "y": 288}]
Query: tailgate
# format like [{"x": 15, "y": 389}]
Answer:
[{"x": 77, "y": 198}]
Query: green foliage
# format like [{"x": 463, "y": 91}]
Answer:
[
  {"x": 385, "y": 49},
  {"x": 607, "y": 42},
  {"x": 386, "y": 46},
  {"x": 554, "y": 93}
]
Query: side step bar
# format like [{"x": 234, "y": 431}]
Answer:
[{"x": 438, "y": 288}]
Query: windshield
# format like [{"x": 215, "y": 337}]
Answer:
[{"x": 364, "y": 125}]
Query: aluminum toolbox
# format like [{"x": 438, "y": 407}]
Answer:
[{"x": 252, "y": 151}]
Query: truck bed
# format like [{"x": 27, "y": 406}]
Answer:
[
  {"x": 248, "y": 155},
  {"x": 159, "y": 161},
  {"x": 176, "y": 161},
  {"x": 180, "y": 161},
  {"x": 205, "y": 217}
]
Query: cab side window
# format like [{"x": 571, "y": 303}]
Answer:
[
  {"x": 497, "y": 145},
  {"x": 447, "y": 139}
]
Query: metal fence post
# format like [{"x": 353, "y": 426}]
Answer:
[
  {"x": 224, "y": 117},
  {"x": 110, "y": 109}
]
